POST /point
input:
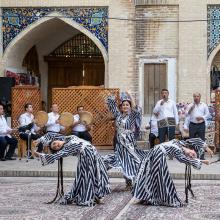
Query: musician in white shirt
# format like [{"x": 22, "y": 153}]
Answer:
[
  {"x": 167, "y": 116},
  {"x": 53, "y": 120},
  {"x": 79, "y": 129},
  {"x": 26, "y": 119},
  {"x": 6, "y": 138},
  {"x": 197, "y": 115}
]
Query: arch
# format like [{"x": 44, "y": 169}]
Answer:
[
  {"x": 209, "y": 66},
  {"x": 10, "y": 50},
  {"x": 212, "y": 57}
]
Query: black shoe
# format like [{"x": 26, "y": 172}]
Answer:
[
  {"x": 2, "y": 159},
  {"x": 31, "y": 157},
  {"x": 202, "y": 157},
  {"x": 10, "y": 158}
]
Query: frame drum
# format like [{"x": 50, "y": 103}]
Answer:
[
  {"x": 41, "y": 118},
  {"x": 66, "y": 119}
]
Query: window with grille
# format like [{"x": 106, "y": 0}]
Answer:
[
  {"x": 155, "y": 79},
  {"x": 80, "y": 46}
]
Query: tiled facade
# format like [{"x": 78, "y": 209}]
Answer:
[
  {"x": 213, "y": 27},
  {"x": 17, "y": 19}
]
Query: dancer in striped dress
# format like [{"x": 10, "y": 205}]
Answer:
[
  {"x": 91, "y": 182},
  {"x": 153, "y": 184},
  {"x": 125, "y": 155}
]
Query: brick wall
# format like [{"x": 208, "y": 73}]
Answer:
[{"x": 155, "y": 39}]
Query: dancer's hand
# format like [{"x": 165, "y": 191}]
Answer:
[
  {"x": 209, "y": 151},
  {"x": 35, "y": 143},
  {"x": 206, "y": 162},
  {"x": 36, "y": 154}
]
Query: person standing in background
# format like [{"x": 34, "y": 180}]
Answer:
[
  {"x": 196, "y": 117},
  {"x": 167, "y": 115}
]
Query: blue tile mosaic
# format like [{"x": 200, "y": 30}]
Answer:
[
  {"x": 94, "y": 19},
  {"x": 213, "y": 27}
]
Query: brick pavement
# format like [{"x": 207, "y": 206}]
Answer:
[{"x": 24, "y": 198}]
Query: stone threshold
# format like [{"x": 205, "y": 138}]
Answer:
[{"x": 15, "y": 173}]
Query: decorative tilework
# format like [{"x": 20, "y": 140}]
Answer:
[
  {"x": 16, "y": 20},
  {"x": 213, "y": 27}
]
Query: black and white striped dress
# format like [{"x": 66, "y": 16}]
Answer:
[
  {"x": 125, "y": 156},
  {"x": 91, "y": 181},
  {"x": 153, "y": 183}
]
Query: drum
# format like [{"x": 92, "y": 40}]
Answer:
[
  {"x": 66, "y": 119},
  {"x": 41, "y": 118},
  {"x": 86, "y": 118}
]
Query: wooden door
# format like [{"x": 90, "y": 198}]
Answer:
[
  {"x": 94, "y": 74},
  {"x": 155, "y": 79},
  {"x": 63, "y": 73}
]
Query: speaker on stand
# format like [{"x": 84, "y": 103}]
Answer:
[{"x": 6, "y": 83}]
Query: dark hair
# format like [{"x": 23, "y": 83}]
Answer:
[
  {"x": 164, "y": 90},
  {"x": 79, "y": 106},
  {"x": 52, "y": 150},
  {"x": 27, "y": 105},
  {"x": 2, "y": 105},
  {"x": 126, "y": 101}
]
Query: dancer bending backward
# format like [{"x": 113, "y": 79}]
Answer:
[
  {"x": 91, "y": 182},
  {"x": 126, "y": 155},
  {"x": 154, "y": 185}
]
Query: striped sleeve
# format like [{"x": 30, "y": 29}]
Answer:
[
  {"x": 182, "y": 158},
  {"x": 112, "y": 105},
  {"x": 65, "y": 152},
  {"x": 136, "y": 115},
  {"x": 50, "y": 136},
  {"x": 198, "y": 145}
]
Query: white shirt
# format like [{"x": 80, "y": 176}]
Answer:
[
  {"x": 78, "y": 127},
  {"x": 200, "y": 110},
  {"x": 4, "y": 127},
  {"x": 27, "y": 118},
  {"x": 168, "y": 109},
  {"x": 51, "y": 123},
  {"x": 153, "y": 125}
]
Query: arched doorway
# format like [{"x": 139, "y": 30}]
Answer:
[
  {"x": 213, "y": 70},
  {"x": 46, "y": 35},
  {"x": 76, "y": 62}
]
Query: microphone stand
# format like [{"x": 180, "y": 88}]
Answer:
[{"x": 59, "y": 191}]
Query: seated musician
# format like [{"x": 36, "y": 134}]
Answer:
[
  {"x": 30, "y": 130},
  {"x": 79, "y": 129},
  {"x": 6, "y": 138},
  {"x": 53, "y": 120}
]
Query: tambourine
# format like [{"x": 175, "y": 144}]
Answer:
[
  {"x": 66, "y": 119},
  {"x": 86, "y": 118},
  {"x": 41, "y": 118}
]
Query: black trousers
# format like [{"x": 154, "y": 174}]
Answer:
[
  {"x": 24, "y": 136},
  {"x": 166, "y": 131},
  {"x": 85, "y": 135},
  {"x": 4, "y": 141},
  {"x": 197, "y": 130},
  {"x": 152, "y": 139}
]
